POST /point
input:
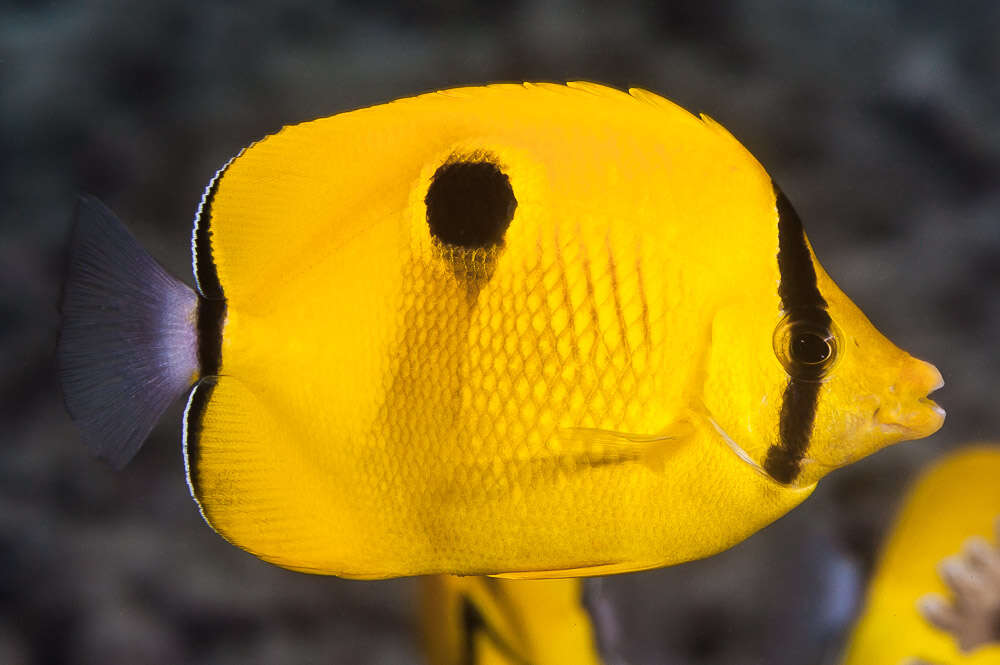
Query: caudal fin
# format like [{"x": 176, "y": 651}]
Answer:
[{"x": 128, "y": 344}]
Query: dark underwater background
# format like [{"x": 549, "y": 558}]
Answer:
[{"x": 881, "y": 121}]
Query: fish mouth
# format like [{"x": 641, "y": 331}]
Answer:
[
  {"x": 933, "y": 406},
  {"x": 926, "y": 419},
  {"x": 922, "y": 419}
]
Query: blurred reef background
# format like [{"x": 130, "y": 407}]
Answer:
[{"x": 881, "y": 121}]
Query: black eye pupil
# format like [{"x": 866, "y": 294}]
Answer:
[
  {"x": 810, "y": 348},
  {"x": 807, "y": 343}
]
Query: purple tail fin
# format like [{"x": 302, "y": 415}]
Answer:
[{"x": 128, "y": 345}]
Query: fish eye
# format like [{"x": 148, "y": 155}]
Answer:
[
  {"x": 809, "y": 348},
  {"x": 806, "y": 346}
]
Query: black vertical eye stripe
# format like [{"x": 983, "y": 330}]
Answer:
[
  {"x": 798, "y": 410},
  {"x": 797, "y": 288},
  {"x": 801, "y": 300}
]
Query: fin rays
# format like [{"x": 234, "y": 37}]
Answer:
[{"x": 127, "y": 345}]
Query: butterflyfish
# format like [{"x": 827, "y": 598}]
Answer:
[
  {"x": 533, "y": 330},
  {"x": 935, "y": 596},
  {"x": 476, "y": 620}
]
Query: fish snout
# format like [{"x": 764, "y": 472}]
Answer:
[{"x": 907, "y": 408}]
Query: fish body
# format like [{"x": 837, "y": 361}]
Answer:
[
  {"x": 530, "y": 330},
  {"x": 953, "y": 501},
  {"x": 488, "y": 621}
]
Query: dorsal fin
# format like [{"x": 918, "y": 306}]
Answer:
[{"x": 355, "y": 176}]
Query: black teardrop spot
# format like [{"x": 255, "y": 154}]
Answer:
[{"x": 470, "y": 203}]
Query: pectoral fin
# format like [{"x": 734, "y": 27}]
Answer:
[{"x": 599, "y": 447}]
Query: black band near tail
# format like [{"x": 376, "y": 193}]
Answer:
[
  {"x": 205, "y": 272},
  {"x": 801, "y": 300},
  {"x": 212, "y": 304},
  {"x": 194, "y": 416},
  {"x": 211, "y": 316}
]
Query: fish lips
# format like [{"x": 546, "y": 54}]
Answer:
[{"x": 914, "y": 418}]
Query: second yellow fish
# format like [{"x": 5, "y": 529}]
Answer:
[{"x": 534, "y": 330}]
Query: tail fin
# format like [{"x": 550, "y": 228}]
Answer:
[{"x": 128, "y": 345}]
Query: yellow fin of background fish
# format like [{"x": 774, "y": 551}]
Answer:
[
  {"x": 515, "y": 329},
  {"x": 958, "y": 498},
  {"x": 488, "y": 621}
]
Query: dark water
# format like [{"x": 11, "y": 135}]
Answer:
[{"x": 881, "y": 122}]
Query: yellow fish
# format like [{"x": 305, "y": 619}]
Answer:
[
  {"x": 952, "y": 508},
  {"x": 535, "y": 330},
  {"x": 489, "y": 621}
]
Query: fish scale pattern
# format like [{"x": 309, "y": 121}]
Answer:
[
  {"x": 569, "y": 402},
  {"x": 501, "y": 353}
]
